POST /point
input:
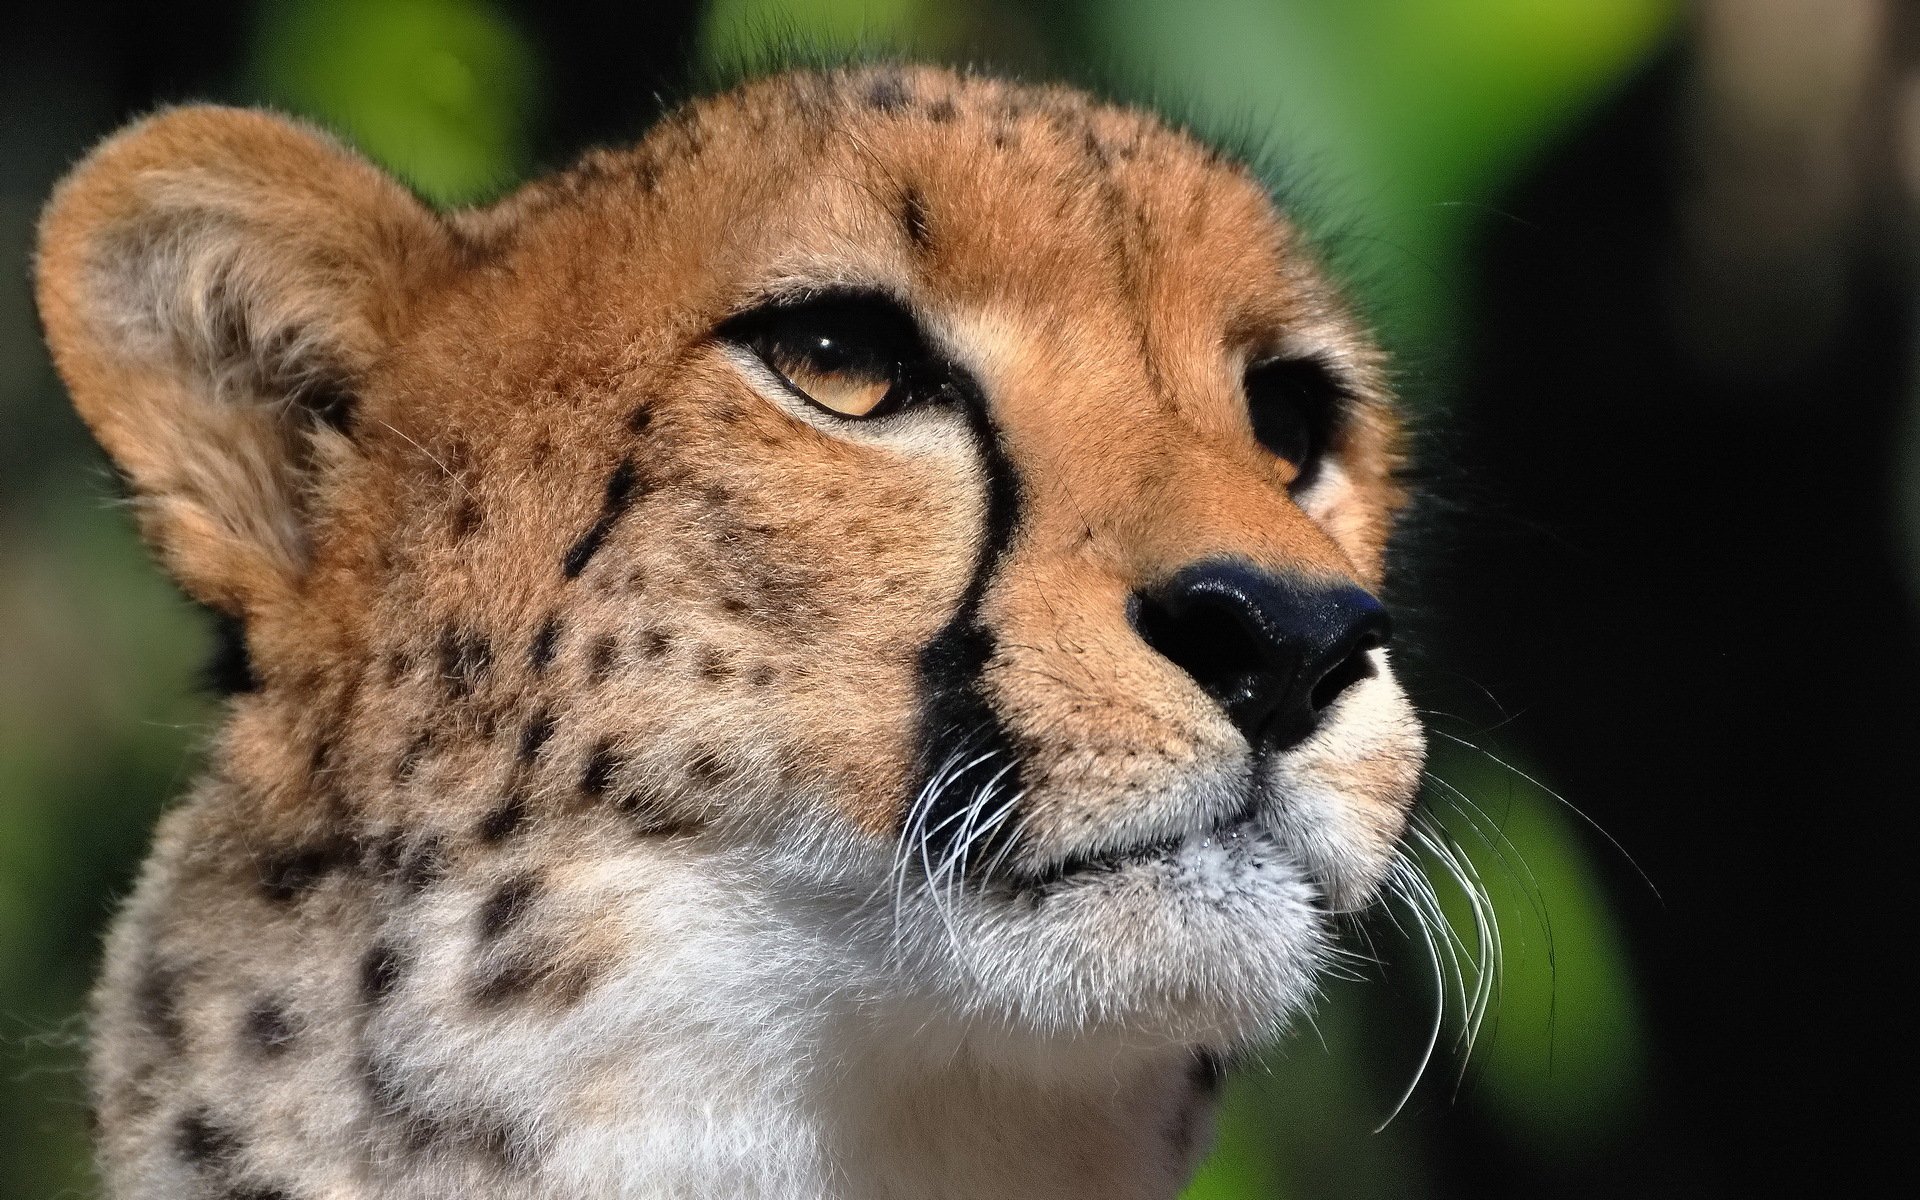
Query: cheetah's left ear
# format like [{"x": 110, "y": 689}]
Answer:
[{"x": 214, "y": 283}]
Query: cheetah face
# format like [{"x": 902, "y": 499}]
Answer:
[{"x": 954, "y": 506}]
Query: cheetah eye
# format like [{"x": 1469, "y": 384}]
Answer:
[
  {"x": 853, "y": 355},
  {"x": 1293, "y": 403}
]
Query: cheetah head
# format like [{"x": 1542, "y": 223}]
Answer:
[{"x": 955, "y": 507}]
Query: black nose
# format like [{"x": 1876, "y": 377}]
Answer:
[{"x": 1273, "y": 650}]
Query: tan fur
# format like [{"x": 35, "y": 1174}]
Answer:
[{"x": 446, "y": 717}]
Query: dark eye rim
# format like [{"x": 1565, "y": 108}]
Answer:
[
  {"x": 1308, "y": 389},
  {"x": 920, "y": 374}
]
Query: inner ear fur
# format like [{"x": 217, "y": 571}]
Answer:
[{"x": 214, "y": 284}]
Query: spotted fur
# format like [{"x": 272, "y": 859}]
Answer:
[{"x": 644, "y": 786}]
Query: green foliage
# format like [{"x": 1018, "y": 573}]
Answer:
[
  {"x": 95, "y": 725},
  {"x": 1242, "y": 1163},
  {"x": 441, "y": 91},
  {"x": 742, "y": 30},
  {"x": 1404, "y": 116},
  {"x": 1561, "y": 1058}
]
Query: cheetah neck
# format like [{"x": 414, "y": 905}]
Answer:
[{"x": 739, "y": 1052}]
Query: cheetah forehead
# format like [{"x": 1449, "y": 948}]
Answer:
[{"x": 1000, "y": 200}]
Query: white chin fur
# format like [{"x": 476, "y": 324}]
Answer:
[{"x": 1215, "y": 943}]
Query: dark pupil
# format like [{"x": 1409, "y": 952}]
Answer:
[
  {"x": 1292, "y": 403},
  {"x": 830, "y": 354},
  {"x": 1283, "y": 429}
]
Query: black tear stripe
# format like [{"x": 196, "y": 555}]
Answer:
[
  {"x": 622, "y": 490},
  {"x": 957, "y": 724}
]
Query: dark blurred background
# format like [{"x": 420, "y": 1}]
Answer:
[{"x": 1650, "y": 273}]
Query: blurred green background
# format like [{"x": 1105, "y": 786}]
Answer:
[{"x": 1647, "y": 269}]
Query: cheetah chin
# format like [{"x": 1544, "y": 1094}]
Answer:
[{"x": 832, "y": 651}]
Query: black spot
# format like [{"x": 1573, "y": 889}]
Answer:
[
  {"x": 600, "y": 658},
  {"x": 706, "y": 767},
  {"x": 649, "y": 816},
  {"x": 535, "y": 735},
  {"x": 380, "y": 971},
  {"x": 540, "y": 654},
  {"x": 409, "y": 760},
  {"x": 322, "y": 756},
  {"x": 888, "y": 94},
  {"x": 1095, "y": 152},
  {"x": 715, "y": 665},
  {"x": 941, "y": 111},
  {"x": 620, "y": 495},
  {"x": 285, "y": 877},
  {"x": 205, "y": 1144},
  {"x": 229, "y": 670},
  {"x": 504, "y": 821},
  {"x": 268, "y": 1028},
  {"x": 602, "y": 762},
  {"x": 381, "y": 1080},
  {"x": 464, "y": 660},
  {"x": 506, "y": 981},
  {"x": 495, "y": 1139},
  {"x": 507, "y": 905},
  {"x": 382, "y": 852},
  {"x": 466, "y": 519},
  {"x": 156, "y": 1000},
  {"x": 655, "y": 642},
  {"x": 913, "y": 218},
  {"x": 400, "y": 663},
  {"x": 255, "y": 1192},
  {"x": 424, "y": 865},
  {"x": 641, "y": 418}
]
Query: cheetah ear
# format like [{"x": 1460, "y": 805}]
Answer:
[{"x": 214, "y": 283}]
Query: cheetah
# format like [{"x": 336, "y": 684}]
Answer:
[{"x": 832, "y": 651}]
